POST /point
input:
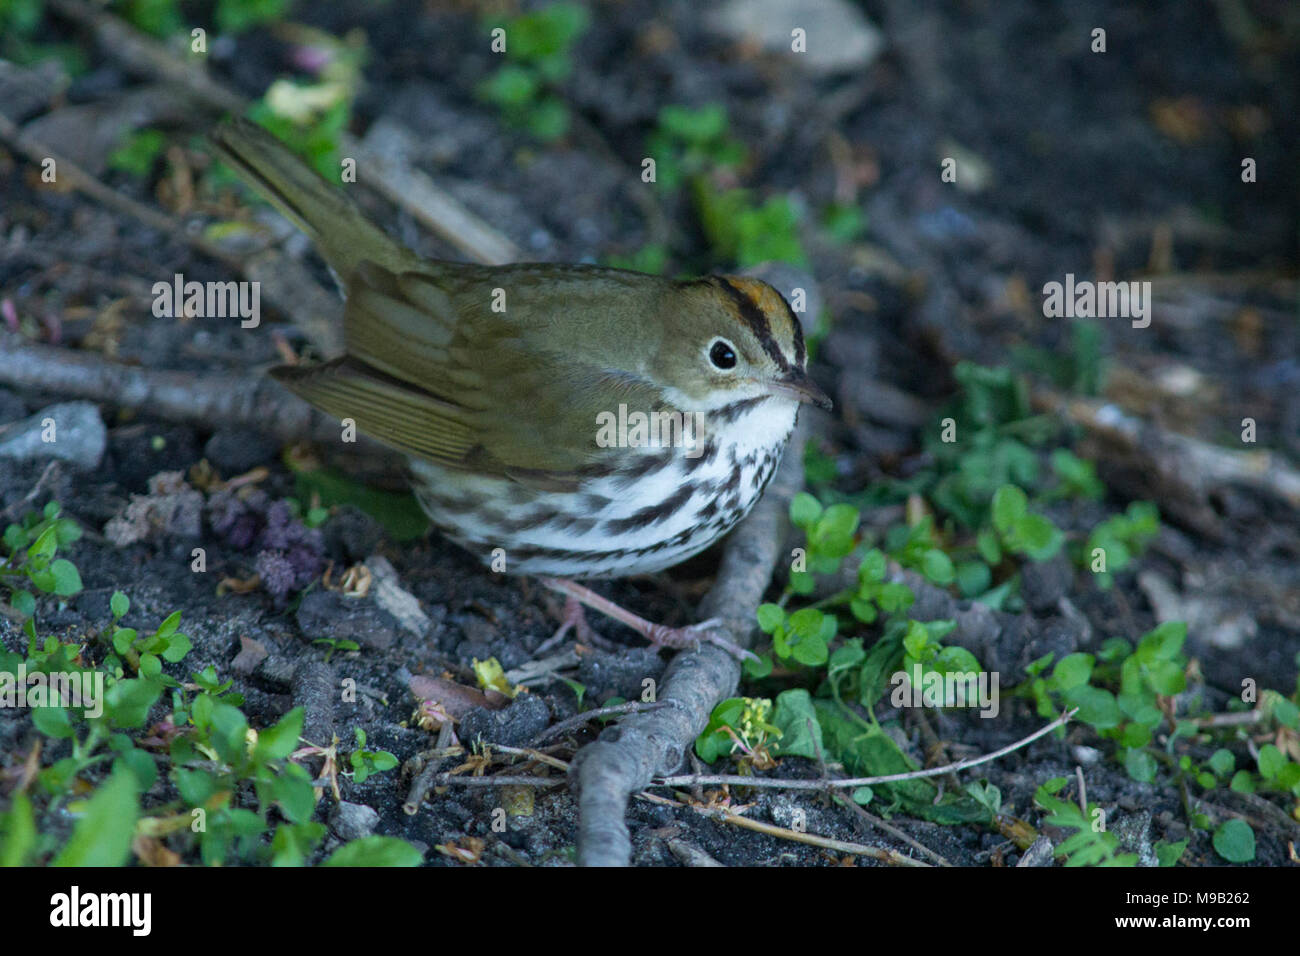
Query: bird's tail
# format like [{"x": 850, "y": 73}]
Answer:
[{"x": 344, "y": 236}]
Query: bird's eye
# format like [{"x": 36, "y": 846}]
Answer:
[{"x": 722, "y": 355}]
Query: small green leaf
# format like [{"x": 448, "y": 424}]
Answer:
[
  {"x": 938, "y": 567},
  {"x": 53, "y": 722},
  {"x": 281, "y": 739},
  {"x": 17, "y": 832},
  {"x": 1072, "y": 670},
  {"x": 67, "y": 581},
  {"x": 1141, "y": 766},
  {"x": 794, "y": 714},
  {"x": 1235, "y": 841},
  {"x": 1009, "y": 506},
  {"x": 168, "y": 627},
  {"x": 1222, "y": 762},
  {"x": 770, "y": 616},
  {"x": 103, "y": 832},
  {"x": 150, "y": 666},
  {"x": 375, "y": 851},
  {"x": 873, "y": 567},
  {"x": 804, "y": 510},
  {"x": 178, "y": 645},
  {"x": 1271, "y": 761},
  {"x": 24, "y": 603},
  {"x": 1168, "y": 854}
]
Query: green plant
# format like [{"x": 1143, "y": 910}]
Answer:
[
  {"x": 230, "y": 778},
  {"x": 165, "y": 17},
  {"x": 830, "y": 535},
  {"x": 156, "y": 17},
  {"x": 33, "y": 544},
  {"x": 692, "y": 142},
  {"x": 843, "y": 222},
  {"x": 1091, "y": 844},
  {"x": 366, "y": 763},
  {"x": 1020, "y": 531},
  {"x": 538, "y": 48},
  {"x": 1115, "y": 542},
  {"x": 1235, "y": 841},
  {"x": 236, "y": 16},
  {"x": 737, "y": 723},
  {"x": 1080, "y": 368},
  {"x": 747, "y": 234}
]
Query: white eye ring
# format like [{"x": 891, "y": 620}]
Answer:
[{"x": 722, "y": 354}]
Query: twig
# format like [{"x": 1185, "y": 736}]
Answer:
[
  {"x": 723, "y": 815},
  {"x": 776, "y": 783},
  {"x": 532, "y": 754},
  {"x": 577, "y": 720},
  {"x": 1184, "y": 468},
  {"x": 283, "y": 282},
  {"x": 237, "y": 400},
  {"x": 1236, "y": 719},
  {"x": 892, "y": 830},
  {"x": 500, "y": 780}
]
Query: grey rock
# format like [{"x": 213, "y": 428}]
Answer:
[
  {"x": 78, "y": 435},
  {"x": 351, "y": 821},
  {"x": 839, "y": 38},
  {"x": 1134, "y": 833},
  {"x": 1040, "y": 854}
]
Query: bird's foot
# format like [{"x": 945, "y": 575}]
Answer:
[{"x": 706, "y": 632}]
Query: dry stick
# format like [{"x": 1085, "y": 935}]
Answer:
[
  {"x": 400, "y": 183},
  {"x": 578, "y": 720},
  {"x": 247, "y": 400},
  {"x": 723, "y": 815},
  {"x": 776, "y": 783},
  {"x": 524, "y": 780},
  {"x": 1179, "y": 459},
  {"x": 627, "y": 757}
]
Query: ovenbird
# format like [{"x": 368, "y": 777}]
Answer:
[{"x": 525, "y": 396}]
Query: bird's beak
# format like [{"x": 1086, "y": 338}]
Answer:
[{"x": 798, "y": 386}]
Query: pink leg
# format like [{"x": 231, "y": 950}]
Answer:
[
  {"x": 677, "y": 637},
  {"x": 574, "y": 620}
]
